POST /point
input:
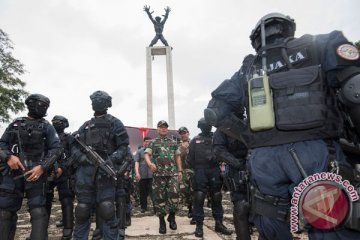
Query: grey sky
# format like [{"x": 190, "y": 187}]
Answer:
[{"x": 71, "y": 48}]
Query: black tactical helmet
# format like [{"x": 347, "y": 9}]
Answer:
[
  {"x": 37, "y": 97},
  {"x": 37, "y": 105},
  {"x": 100, "y": 101},
  {"x": 60, "y": 123},
  {"x": 275, "y": 24},
  {"x": 202, "y": 123}
]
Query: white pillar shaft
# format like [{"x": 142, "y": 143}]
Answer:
[
  {"x": 150, "y": 52},
  {"x": 170, "y": 88},
  {"x": 149, "y": 104}
]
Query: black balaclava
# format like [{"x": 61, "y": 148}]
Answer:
[
  {"x": 204, "y": 126},
  {"x": 100, "y": 102},
  {"x": 60, "y": 123},
  {"x": 37, "y": 105}
]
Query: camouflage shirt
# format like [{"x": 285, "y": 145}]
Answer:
[{"x": 163, "y": 151}]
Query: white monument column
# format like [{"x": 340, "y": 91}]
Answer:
[
  {"x": 149, "y": 105},
  {"x": 150, "y": 52}
]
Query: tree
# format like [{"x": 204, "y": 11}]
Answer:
[
  {"x": 12, "y": 91},
  {"x": 357, "y": 44}
]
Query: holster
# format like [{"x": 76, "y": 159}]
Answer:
[
  {"x": 270, "y": 206},
  {"x": 237, "y": 180}
]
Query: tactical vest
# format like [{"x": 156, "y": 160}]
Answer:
[
  {"x": 97, "y": 134},
  {"x": 305, "y": 106},
  {"x": 30, "y": 134},
  {"x": 203, "y": 152}
]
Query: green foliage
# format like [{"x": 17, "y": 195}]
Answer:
[
  {"x": 357, "y": 44},
  {"x": 12, "y": 91}
]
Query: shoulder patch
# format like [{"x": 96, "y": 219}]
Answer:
[{"x": 348, "y": 52}]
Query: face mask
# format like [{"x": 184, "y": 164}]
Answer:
[
  {"x": 99, "y": 105},
  {"x": 59, "y": 126},
  {"x": 38, "y": 109}
]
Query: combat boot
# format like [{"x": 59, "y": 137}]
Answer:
[
  {"x": 219, "y": 227},
  {"x": 162, "y": 228},
  {"x": 67, "y": 234},
  {"x": 190, "y": 211},
  {"x": 121, "y": 234},
  {"x": 128, "y": 219},
  {"x": 199, "y": 232},
  {"x": 171, "y": 220}
]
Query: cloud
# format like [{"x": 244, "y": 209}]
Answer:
[{"x": 73, "y": 47}]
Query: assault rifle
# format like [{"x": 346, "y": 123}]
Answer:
[
  {"x": 23, "y": 159},
  {"x": 125, "y": 164},
  {"x": 97, "y": 159}
]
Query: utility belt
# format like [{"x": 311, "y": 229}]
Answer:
[
  {"x": 28, "y": 193},
  {"x": 11, "y": 193},
  {"x": 209, "y": 165},
  {"x": 270, "y": 206}
]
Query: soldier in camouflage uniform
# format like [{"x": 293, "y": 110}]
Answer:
[
  {"x": 185, "y": 185},
  {"x": 163, "y": 158}
]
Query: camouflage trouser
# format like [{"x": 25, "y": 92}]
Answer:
[
  {"x": 135, "y": 194},
  {"x": 165, "y": 191},
  {"x": 186, "y": 188}
]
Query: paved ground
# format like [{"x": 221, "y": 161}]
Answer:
[{"x": 145, "y": 225}]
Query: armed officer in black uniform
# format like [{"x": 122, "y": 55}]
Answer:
[
  {"x": 28, "y": 149},
  {"x": 123, "y": 191},
  {"x": 298, "y": 93},
  {"x": 233, "y": 152},
  {"x": 63, "y": 178},
  {"x": 107, "y": 136},
  {"x": 206, "y": 177}
]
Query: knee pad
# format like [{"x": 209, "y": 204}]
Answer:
[
  {"x": 37, "y": 213},
  {"x": 216, "y": 197},
  {"x": 107, "y": 210},
  {"x": 82, "y": 212},
  {"x": 199, "y": 197}
]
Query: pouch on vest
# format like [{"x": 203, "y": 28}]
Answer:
[
  {"x": 299, "y": 98},
  {"x": 260, "y": 104}
]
